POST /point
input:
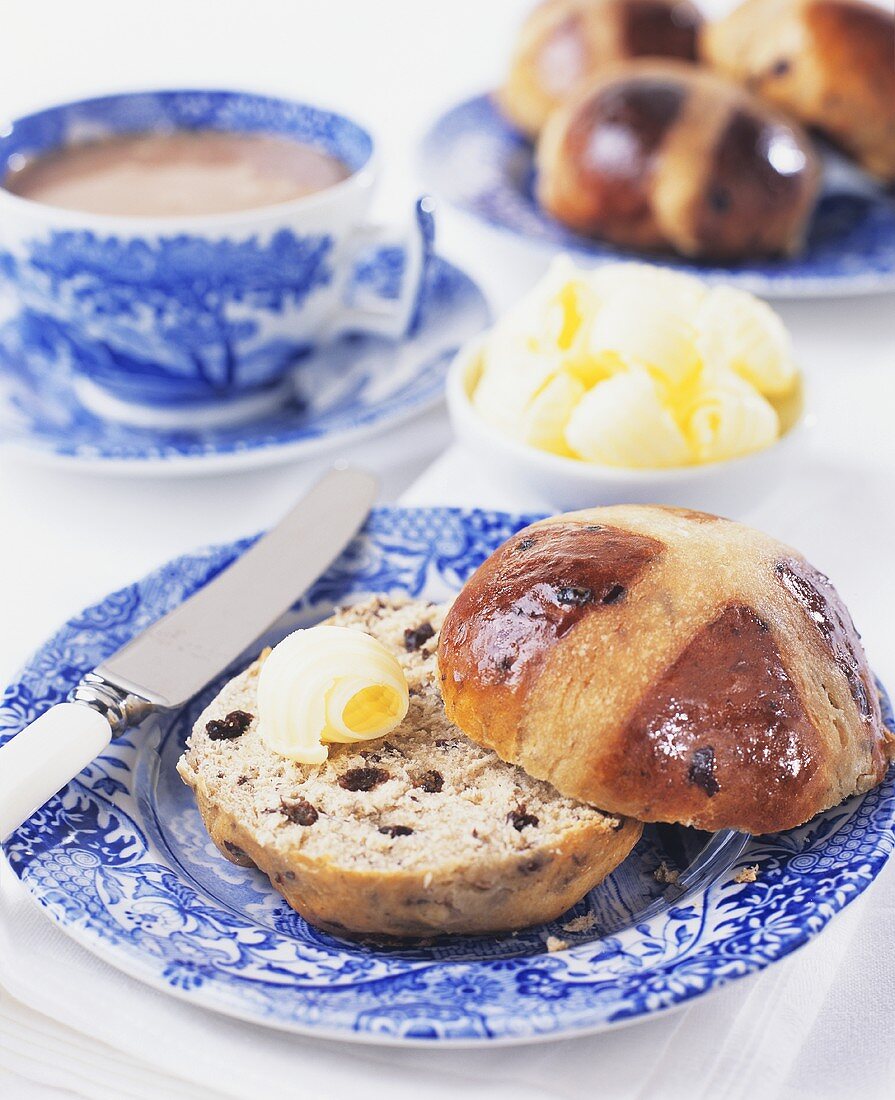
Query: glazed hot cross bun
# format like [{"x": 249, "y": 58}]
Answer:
[
  {"x": 663, "y": 155},
  {"x": 668, "y": 665},
  {"x": 829, "y": 63},
  {"x": 564, "y": 43}
]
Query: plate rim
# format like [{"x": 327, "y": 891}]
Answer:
[
  {"x": 196, "y": 999},
  {"x": 881, "y": 837}
]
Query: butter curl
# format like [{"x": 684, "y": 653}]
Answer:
[{"x": 328, "y": 684}]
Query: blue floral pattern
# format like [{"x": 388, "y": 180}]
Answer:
[
  {"x": 121, "y": 861},
  {"x": 358, "y": 384},
  {"x": 379, "y": 272},
  {"x": 198, "y": 314},
  {"x": 177, "y": 318},
  {"x": 383, "y": 272},
  {"x": 474, "y": 158}
]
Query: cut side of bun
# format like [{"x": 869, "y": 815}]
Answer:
[{"x": 419, "y": 833}]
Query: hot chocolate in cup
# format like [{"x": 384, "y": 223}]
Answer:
[{"x": 170, "y": 315}]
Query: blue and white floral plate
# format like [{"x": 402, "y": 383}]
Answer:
[
  {"x": 355, "y": 387},
  {"x": 120, "y": 860},
  {"x": 473, "y": 158}
]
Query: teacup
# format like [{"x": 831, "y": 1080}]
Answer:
[{"x": 206, "y": 314}]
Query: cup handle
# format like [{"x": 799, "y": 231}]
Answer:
[{"x": 386, "y": 274}]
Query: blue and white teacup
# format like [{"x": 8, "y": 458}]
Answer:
[{"x": 164, "y": 319}]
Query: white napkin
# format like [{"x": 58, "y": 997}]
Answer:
[{"x": 70, "y": 1021}]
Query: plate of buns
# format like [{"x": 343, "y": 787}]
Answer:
[
  {"x": 758, "y": 148},
  {"x": 570, "y": 772}
]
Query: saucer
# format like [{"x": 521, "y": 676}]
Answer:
[
  {"x": 473, "y": 158},
  {"x": 355, "y": 387}
]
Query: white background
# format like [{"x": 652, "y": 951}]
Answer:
[{"x": 67, "y": 539}]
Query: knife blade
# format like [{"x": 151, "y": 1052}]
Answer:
[
  {"x": 178, "y": 655},
  {"x": 181, "y": 652}
]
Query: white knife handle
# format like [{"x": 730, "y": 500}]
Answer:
[{"x": 45, "y": 756}]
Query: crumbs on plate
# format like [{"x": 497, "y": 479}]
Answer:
[
  {"x": 666, "y": 874},
  {"x": 554, "y": 943},
  {"x": 580, "y": 924},
  {"x": 747, "y": 874}
]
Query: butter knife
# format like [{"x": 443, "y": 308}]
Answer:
[{"x": 178, "y": 655}]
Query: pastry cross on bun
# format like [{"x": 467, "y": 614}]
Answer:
[
  {"x": 661, "y": 154},
  {"x": 564, "y": 43},
  {"x": 830, "y": 63},
  {"x": 668, "y": 665}
]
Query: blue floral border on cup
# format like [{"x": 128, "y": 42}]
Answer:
[{"x": 208, "y": 308}]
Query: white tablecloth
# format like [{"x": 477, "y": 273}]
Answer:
[{"x": 820, "y": 1024}]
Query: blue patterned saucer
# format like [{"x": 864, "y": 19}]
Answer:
[
  {"x": 355, "y": 387},
  {"x": 120, "y": 860},
  {"x": 473, "y": 158}
]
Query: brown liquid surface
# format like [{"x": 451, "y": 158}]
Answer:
[{"x": 185, "y": 172}]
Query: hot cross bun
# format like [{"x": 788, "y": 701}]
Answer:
[
  {"x": 668, "y": 665},
  {"x": 663, "y": 155},
  {"x": 830, "y": 63},
  {"x": 564, "y": 43}
]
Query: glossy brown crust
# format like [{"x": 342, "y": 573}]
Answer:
[
  {"x": 830, "y": 63},
  {"x": 611, "y": 149},
  {"x": 657, "y": 28},
  {"x": 499, "y": 630},
  {"x": 748, "y": 205},
  {"x": 727, "y": 704},
  {"x": 821, "y": 604},
  {"x": 660, "y": 155},
  {"x": 727, "y": 687},
  {"x": 565, "y": 43}
]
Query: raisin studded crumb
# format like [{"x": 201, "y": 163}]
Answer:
[
  {"x": 226, "y": 729},
  {"x": 300, "y": 812},
  {"x": 432, "y": 782},
  {"x": 416, "y": 637},
  {"x": 521, "y": 819},
  {"x": 362, "y": 779},
  {"x": 425, "y": 798}
]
